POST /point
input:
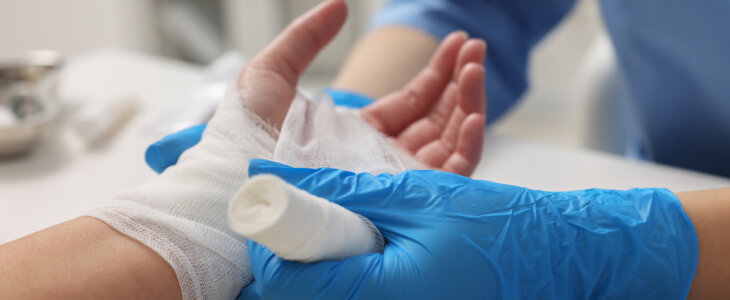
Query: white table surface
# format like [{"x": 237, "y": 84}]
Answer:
[{"x": 59, "y": 181}]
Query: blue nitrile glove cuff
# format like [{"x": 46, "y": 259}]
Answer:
[
  {"x": 451, "y": 236},
  {"x": 165, "y": 152},
  {"x": 348, "y": 99},
  {"x": 662, "y": 239}
]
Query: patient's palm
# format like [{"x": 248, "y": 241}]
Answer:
[{"x": 438, "y": 117}]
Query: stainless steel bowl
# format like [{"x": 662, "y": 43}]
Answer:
[{"x": 28, "y": 96}]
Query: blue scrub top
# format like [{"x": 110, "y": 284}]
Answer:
[{"x": 674, "y": 56}]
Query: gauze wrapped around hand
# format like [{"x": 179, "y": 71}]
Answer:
[
  {"x": 438, "y": 116},
  {"x": 182, "y": 213},
  {"x": 165, "y": 152}
]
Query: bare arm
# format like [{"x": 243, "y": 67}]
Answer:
[
  {"x": 83, "y": 258},
  {"x": 710, "y": 213}
]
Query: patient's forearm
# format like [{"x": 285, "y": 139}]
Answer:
[
  {"x": 710, "y": 214},
  {"x": 83, "y": 258},
  {"x": 384, "y": 60}
]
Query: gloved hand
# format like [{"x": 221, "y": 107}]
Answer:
[{"x": 449, "y": 236}]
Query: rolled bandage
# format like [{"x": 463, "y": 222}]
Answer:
[
  {"x": 297, "y": 225},
  {"x": 100, "y": 121}
]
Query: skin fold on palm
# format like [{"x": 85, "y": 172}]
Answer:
[{"x": 438, "y": 117}]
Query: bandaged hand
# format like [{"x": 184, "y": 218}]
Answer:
[
  {"x": 438, "y": 117},
  {"x": 181, "y": 214},
  {"x": 451, "y": 237}
]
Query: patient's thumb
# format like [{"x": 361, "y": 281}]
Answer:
[{"x": 295, "y": 48}]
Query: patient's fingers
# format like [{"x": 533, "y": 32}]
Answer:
[
  {"x": 432, "y": 126},
  {"x": 472, "y": 88},
  {"x": 461, "y": 155},
  {"x": 468, "y": 150},
  {"x": 473, "y": 51},
  {"x": 471, "y": 99},
  {"x": 435, "y": 140},
  {"x": 466, "y": 128},
  {"x": 295, "y": 48},
  {"x": 444, "y": 121},
  {"x": 396, "y": 111},
  {"x": 440, "y": 116}
]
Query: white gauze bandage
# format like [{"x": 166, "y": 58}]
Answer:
[
  {"x": 299, "y": 226},
  {"x": 181, "y": 214}
]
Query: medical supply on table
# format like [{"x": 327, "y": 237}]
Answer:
[
  {"x": 97, "y": 122},
  {"x": 297, "y": 225},
  {"x": 181, "y": 214},
  {"x": 452, "y": 237},
  {"x": 28, "y": 98},
  {"x": 7, "y": 117}
]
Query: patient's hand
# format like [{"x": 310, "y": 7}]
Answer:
[{"x": 438, "y": 117}]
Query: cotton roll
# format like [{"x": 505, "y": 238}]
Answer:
[
  {"x": 299, "y": 226},
  {"x": 101, "y": 120}
]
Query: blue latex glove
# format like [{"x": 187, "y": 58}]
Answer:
[
  {"x": 451, "y": 237},
  {"x": 165, "y": 152}
]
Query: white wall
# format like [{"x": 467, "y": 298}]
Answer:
[
  {"x": 251, "y": 24},
  {"x": 74, "y": 26},
  {"x": 550, "y": 110}
]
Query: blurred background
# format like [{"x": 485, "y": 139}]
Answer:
[{"x": 198, "y": 32}]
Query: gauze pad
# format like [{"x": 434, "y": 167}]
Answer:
[
  {"x": 297, "y": 225},
  {"x": 182, "y": 214}
]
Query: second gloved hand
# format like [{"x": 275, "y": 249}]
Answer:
[{"x": 449, "y": 236}]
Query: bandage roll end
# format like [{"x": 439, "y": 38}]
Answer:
[{"x": 297, "y": 225}]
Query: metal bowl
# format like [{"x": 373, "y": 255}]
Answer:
[{"x": 28, "y": 98}]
